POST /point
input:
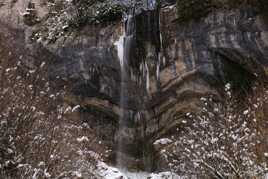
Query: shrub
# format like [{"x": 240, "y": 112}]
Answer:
[
  {"x": 224, "y": 140},
  {"x": 37, "y": 139},
  {"x": 89, "y": 12}
]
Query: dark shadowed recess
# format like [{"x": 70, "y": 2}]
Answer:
[{"x": 241, "y": 72}]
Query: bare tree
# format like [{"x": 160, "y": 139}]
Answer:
[
  {"x": 223, "y": 140},
  {"x": 37, "y": 138}
]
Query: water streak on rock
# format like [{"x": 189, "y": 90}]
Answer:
[{"x": 123, "y": 49}]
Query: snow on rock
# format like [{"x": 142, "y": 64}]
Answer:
[
  {"x": 137, "y": 175},
  {"x": 163, "y": 141},
  {"x": 266, "y": 176},
  {"x": 144, "y": 175},
  {"x": 77, "y": 174},
  {"x": 82, "y": 139},
  {"x": 107, "y": 172},
  {"x": 75, "y": 108},
  {"x": 246, "y": 112},
  {"x": 165, "y": 175},
  {"x": 158, "y": 144}
]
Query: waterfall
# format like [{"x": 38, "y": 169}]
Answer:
[
  {"x": 123, "y": 49},
  {"x": 120, "y": 49},
  {"x": 120, "y": 52}
]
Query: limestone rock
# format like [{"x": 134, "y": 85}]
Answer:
[{"x": 171, "y": 68}]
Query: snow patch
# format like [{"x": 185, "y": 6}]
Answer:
[
  {"x": 75, "y": 108},
  {"x": 165, "y": 175},
  {"x": 82, "y": 139},
  {"x": 107, "y": 172},
  {"x": 246, "y": 112},
  {"x": 163, "y": 141}
]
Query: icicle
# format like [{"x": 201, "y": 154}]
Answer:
[
  {"x": 164, "y": 61},
  {"x": 82, "y": 65},
  {"x": 83, "y": 70},
  {"x": 140, "y": 67},
  {"x": 160, "y": 34},
  {"x": 147, "y": 77},
  {"x": 158, "y": 67},
  {"x": 120, "y": 48}
]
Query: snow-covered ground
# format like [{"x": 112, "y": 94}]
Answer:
[{"x": 108, "y": 172}]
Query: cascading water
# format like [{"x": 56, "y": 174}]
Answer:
[
  {"x": 123, "y": 49},
  {"x": 120, "y": 51}
]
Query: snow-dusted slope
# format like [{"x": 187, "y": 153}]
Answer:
[{"x": 108, "y": 172}]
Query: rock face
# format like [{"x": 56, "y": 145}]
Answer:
[
  {"x": 14, "y": 12},
  {"x": 171, "y": 66},
  {"x": 201, "y": 56}
]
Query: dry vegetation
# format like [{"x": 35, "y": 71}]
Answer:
[
  {"x": 226, "y": 139},
  {"x": 39, "y": 134}
]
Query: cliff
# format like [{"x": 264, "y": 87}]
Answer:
[{"x": 172, "y": 64}]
